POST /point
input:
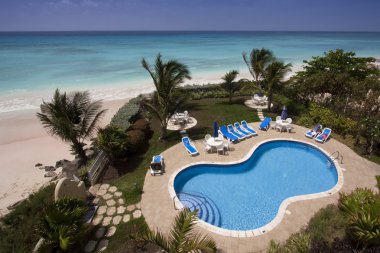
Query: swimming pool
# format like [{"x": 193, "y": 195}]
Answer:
[{"x": 248, "y": 195}]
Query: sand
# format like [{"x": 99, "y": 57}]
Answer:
[{"x": 23, "y": 143}]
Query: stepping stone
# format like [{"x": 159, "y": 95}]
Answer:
[
  {"x": 116, "y": 220},
  {"x": 101, "y": 210},
  {"x": 96, "y": 201},
  {"x": 101, "y": 192},
  {"x": 111, "y": 202},
  {"x": 106, "y": 221},
  {"x": 96, "y": 220},
  {"x": 136, "y": 214},
  {"x": 94, "y": 189},
  {"x": 111, "y": 231},
  {"x": 107, "y": 196},
  {"x": 118, "y": 194},
  {"x": 102, "y": 245},
  {"x": 112, "y": 189},
  {"x": 104, "y": 187},
  {"x": 120, "y": 210},
  {"x": 111, "y": 211},
  {"x": 90, "y": 246},
  {"x": 100, "y": 232},
  {"x": 138, "y": 206},
  {"x": 131, "y": 208},
  {"x": 126, "y": 218},
  {"x": 120, "y": 201}
]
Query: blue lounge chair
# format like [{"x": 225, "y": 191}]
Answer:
[
  {"x": 247, "y": 128},
  {"x": 223, "y": 131},
  {"x": 241, "y": 130},
  {"x": 157, "y": 165},
  {"x": 314, "y": 132},
  {"x": 322, "y": 137},
  {"x": 189, "y": 146},
  {"x": 265, "y": 124},
  {"x": 232, "y": 131}
]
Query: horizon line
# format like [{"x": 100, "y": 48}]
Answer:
[{"x": 300, "y": 31}]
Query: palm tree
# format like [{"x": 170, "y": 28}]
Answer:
[
  {"x": 229, "y": 83},
  {"x": 72, "y": 117},
  {"x": 167, "y": 77},
  {"x": 182, "y": 238},
  {"x": 113, "y": 141},
  {"x": 258, "y": 60},
  {"x": 62, "y": 223},
  {"x": 274, "y": 75}
]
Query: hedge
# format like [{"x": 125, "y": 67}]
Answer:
[{"x": 127, "y": 114}]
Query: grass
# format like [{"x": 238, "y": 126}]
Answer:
[{"x": 17, "y": 229}]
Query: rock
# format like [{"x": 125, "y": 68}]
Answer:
[
  {"x": 111, "y": 202},
  {"x": 50, "y": 174},
  {"x": 100, "y": 232},
  {"x": 102, "y": 210},
  {"x": 94, "y": 189},
  {"x": 131, "y": 207},
  {"x": 136, "y": 214},
  {"x": 13, "y": 206},
  {"x": 117, "y": 194},
  {"x": 61, "y": 163},
  {"x": 106, "y": 221},
  {"x": 97, "y": 220},
  {"x": 90, "y": 246},
  {"x": 107, "y": 196},
  {"x": 111, "y": 231},
  {"x": 38, "y": 165},
  {"x": 126, "y": 218},
  {"x": 90, "y": 153},
  {"x": 76, "y": 163},
  {"x": 104, "y": 187},
  {"x": 120, "y": 210},
  {"x": 48, "y": 168},
  {"x": 111, "y": 211},
  {"x": 116, "y": 220},
  {"x": 112, "y": 189},
  {"x": 101, "y": 192},
  {"x": 138, "y": 206},
  {"x": 95, "y": 201},
  {"x": 102, "y": 245},
  {"x": 120, "y": 201}
]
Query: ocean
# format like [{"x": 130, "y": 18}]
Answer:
[{"x": 108, "y": 64}]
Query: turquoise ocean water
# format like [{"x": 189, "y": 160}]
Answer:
[{"x": 108, "y": 64}]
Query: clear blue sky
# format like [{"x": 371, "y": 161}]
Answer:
[{"x": 268, "y": 15}]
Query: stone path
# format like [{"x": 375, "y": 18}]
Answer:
[
  {"x": 111, "y": 212},
  {"x": 260, "y": 114}
]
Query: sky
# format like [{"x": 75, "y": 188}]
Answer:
[{"x": 195, "y": 15}]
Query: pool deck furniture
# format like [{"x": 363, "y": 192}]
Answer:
[
  {"x": 159, "y": 212},
  {"x": 314, "y": 132},
  {"x": 265, "y": 123},
  {"x": 242, "y": 130},
  {"x": 226, "y": 134},
  {"x": 214, "y": 143},
  {"x": 157, "y": 165},
  {"x": 189, "y": 146},
  {"x": 322, "y": 137},
  {"x": 245, "y": 126},
  {"x": 232, "y": 130},
  {"x": 283, "y": 125}
]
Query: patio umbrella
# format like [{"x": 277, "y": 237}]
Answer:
[
  {"x": 284, "y": 113},
  {"x": 216, "y": 128}
]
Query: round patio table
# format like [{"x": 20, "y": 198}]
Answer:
[{"x": 214, "y": 143}]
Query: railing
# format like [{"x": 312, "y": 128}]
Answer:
[
  {"x": 337, "y": 157},
  {"x": 97, "y": 167},
  {"x": 176, "y": 196}
]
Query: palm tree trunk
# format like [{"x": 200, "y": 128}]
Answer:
[
  {"x": 78, "y": 149},
  {"x": 164, "y": 131},
  {"x": 270, "y": 101}
]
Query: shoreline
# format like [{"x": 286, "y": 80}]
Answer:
[{"x": 23, "y": 143}]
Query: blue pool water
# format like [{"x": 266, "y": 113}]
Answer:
[{"x": 248, "y": 195}]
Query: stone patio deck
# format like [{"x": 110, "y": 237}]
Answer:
[{"x": 158, "y": 209}]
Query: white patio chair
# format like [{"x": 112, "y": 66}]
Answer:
[
  {"x": 207, "y": 137},
  {"x": 289, "y": 120},
  {"x": 206, "y": 147},
  {"x": 220, "y": 149}
]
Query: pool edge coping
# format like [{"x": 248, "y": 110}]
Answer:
[{"x": 283, "y": 206}]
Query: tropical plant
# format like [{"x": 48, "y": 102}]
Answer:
[
  {"x": 167, "y": 77},
  {"x": 297, "y": 243},
  {"x": 257, "y": 62},
  {"x": 72, "y": 117},
  {"x": 62, "y": 224},
  {"x": 274, "y": 75},
  {"x": 113, "y": 141},
  {"x": 229, "y": 84},
  {"x": 182, "y": 238}
]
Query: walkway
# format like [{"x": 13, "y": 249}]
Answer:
[{"x": 158, "y": 210}]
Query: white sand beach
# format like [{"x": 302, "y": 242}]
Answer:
[{"x": 23, "y": 143}]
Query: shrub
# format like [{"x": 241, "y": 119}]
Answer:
[
  {"x": 62, "y": 223},
  {"x": 113, "y": 141},
  {"x": 328, "y": 118},
  {"x": 300, "y": 243},
  {"x": 136, "y": 142},
  {"x": 306, "y": 121},
  {"x": 127, "y": 113},
  {"x": 142, "y": 125}
]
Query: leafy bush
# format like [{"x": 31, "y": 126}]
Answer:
[
  {"x": 136, "y": 142},
  {"x": 300, "y": 243},
  {"x": 293, "y": 107},
  {"x": 306, "y": 121},
  {"x": 362, "y": 208},
  {"x": 62, "y": 224},
  {"x": 113, "y": 141},
  {"x": 142, "y": 125},
  {"x": 17, "y": 228},
  {"x": 127, "y": 114},
  {"x": 335, "y": 121}
]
